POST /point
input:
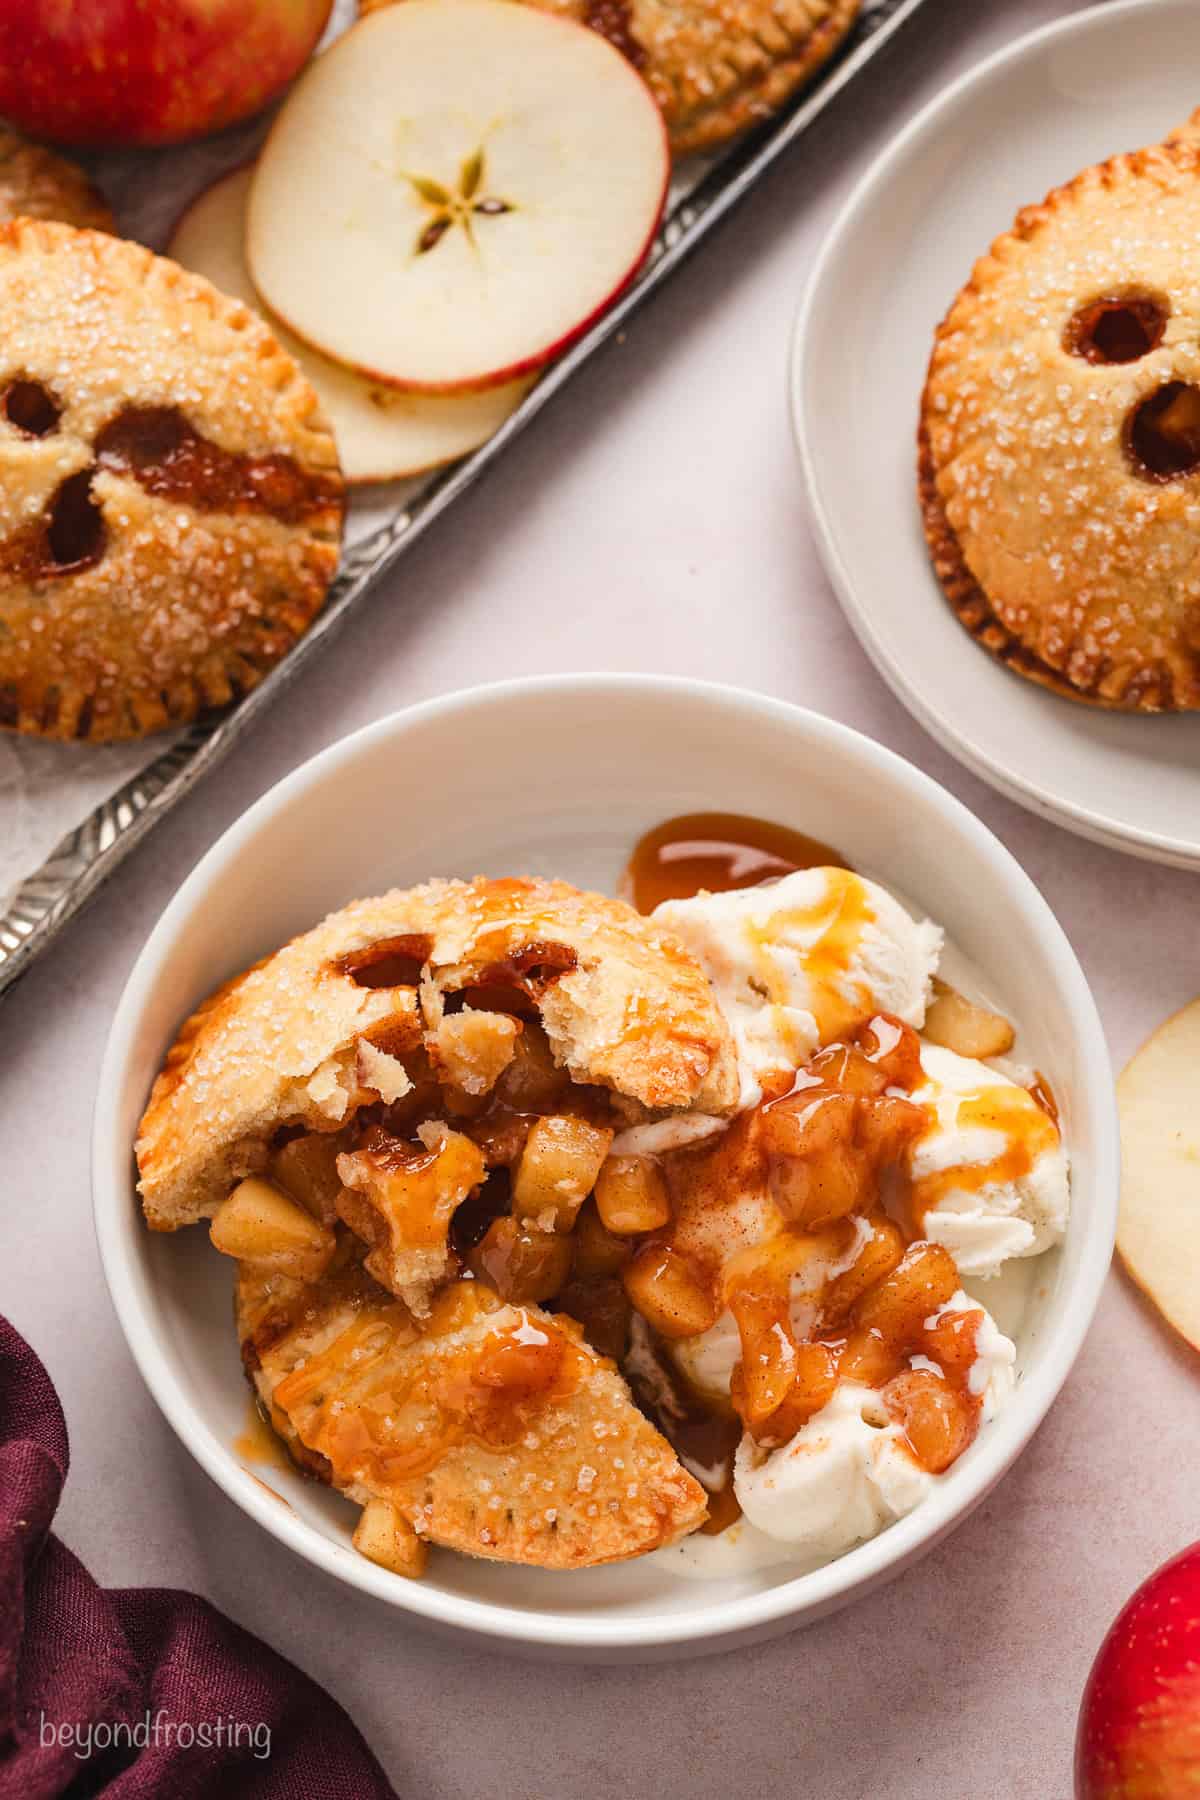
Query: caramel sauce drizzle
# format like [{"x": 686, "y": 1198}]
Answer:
[
  {"x": 390, "y": 1430},
  {"x": 1029, "y": 1131},
  {"x": 838, "y": 919},
  {"x": 1043, "y": 1096},
  {"x": 716, "y": 852},
  {"x": 257, "y": 1442}
]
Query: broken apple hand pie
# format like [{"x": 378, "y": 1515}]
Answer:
[
  {"x": 563, "y": 1232},
  {"x": 394, "y": 1124},
  {"x": 1059, "y": 440}
]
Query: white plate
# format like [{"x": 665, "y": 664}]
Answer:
[
  {"x": 1100, "y": 82},
  {"x": 561, "y": 776}
]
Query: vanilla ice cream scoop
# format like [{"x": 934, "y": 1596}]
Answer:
[
  {"x": 801, "y": 962},
  {"x": 989, "y": 1173},
  {"x": 849, "y": 1471}
]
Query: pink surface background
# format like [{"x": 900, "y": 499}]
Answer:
[{"x": 653, "y": 520}]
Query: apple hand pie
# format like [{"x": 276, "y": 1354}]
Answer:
[
  {"x": 489, "y": 1427},
  {"x": 170, "y": 497},
  {"x": 1059, "y": 442},
  {"x": 389, "y": 995},
  {"x": 36, "y": 183},
  {"x": 395, "y": 1124}
]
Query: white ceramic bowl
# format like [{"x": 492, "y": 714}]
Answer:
[{"x": 560, "y": 776}]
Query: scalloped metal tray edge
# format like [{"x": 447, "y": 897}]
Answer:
[{"x": 77, "y": 866}]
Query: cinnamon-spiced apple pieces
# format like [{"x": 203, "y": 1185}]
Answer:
[{"x": 262, "y": 1225}]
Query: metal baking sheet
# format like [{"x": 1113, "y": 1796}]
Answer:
[{"x": 380, "y": 530}]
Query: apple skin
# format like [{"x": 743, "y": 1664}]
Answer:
[
  {"x": 1139, "y": 1724},
  {"x": 148, "y": 71}
]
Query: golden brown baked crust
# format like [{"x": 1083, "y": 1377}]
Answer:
[
  {"x": 493, "y": 1429},
  {"x": 964, "y": 592},
  {"x": 37, "y": 183},
  {"x": 170, "y": 499},
  {"x": 714, "y": 66},
  {"x": 1189, "y": 129},
  {"x": 623, "y": 1006},
  {"x": 1058, "y": 549}
]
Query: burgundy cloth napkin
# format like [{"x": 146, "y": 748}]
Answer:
[{"x": 137, "y": 1693}]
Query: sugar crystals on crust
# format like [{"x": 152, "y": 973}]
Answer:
[
  {"x": 624, "y": 1008},
  {"x": 492, "y": 1429},
  {"x": 170, "y": 498},
  {"x": 1060, "y": 437}
]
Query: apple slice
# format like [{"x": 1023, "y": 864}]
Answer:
[
  {"x": 453, "y": 192},
  {"x": 381, "y": 434},
  {"x": 1158, "y": 1236}
]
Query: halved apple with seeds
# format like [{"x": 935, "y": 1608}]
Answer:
[
  {"x": 381, "y": 434},
  {"x": 452, "y": 193},
  {"x": 1158, "y": 1235}
]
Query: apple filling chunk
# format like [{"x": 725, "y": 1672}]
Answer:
[
  {"x": 474, "y": 1048},
  {"x": 260, "y": 1224},
  {"x": 306, "y": 1168},
  {"x": 558, "y": 1169},
  {"x": 965, "y": 1027},
  {"x": 400, "y": 1196},
  {"x": 385, "y": 1536}
]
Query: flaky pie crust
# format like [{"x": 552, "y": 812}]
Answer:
[{"x": 623, "y": 1006}]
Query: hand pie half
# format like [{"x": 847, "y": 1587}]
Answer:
[
  {"x": 318, "y": 1031},
  {"x": 490, "y": 1428}
]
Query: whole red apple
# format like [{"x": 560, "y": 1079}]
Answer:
[
  {"x": 1139, "y": 1725},
  {"x": 148, "y": 71}
]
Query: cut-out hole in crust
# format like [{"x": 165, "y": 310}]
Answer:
[
  {"x": 31, "y": 408},
  {"x": 74, "y": 525},
  {"x": 1117, "y": 328},
  {"x": 1162, "y": 433},
  {"x": 169, "y": 458},
  {"x": 66, "y": 537},
  {"x": 497, "y": 999},
  {"x": 532, "y": 969},
  {"x": 392, "y": 962}
]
